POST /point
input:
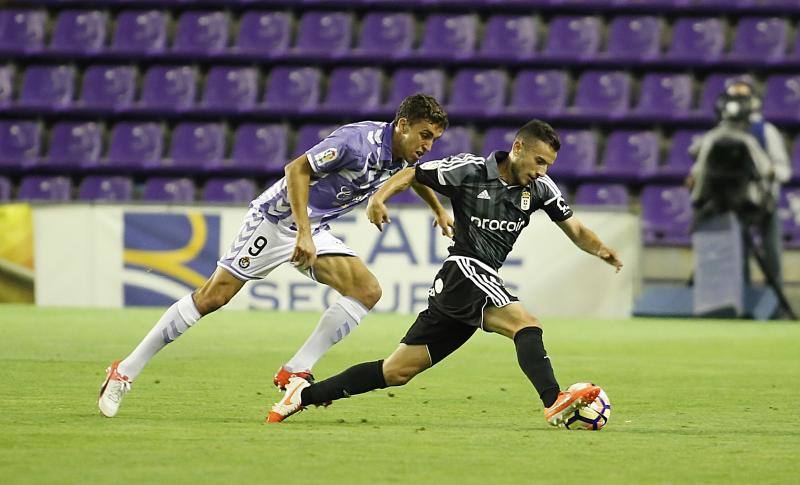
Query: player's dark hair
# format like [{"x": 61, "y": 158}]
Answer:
[
  {"x": 539, "y": 130},
  {"x": 418, "y": 107}
]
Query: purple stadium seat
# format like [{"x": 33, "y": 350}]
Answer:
[
  {"x": 324, "y": 34},
  {"x": 760, "y": 40},
  {"x": 310, "y": 135},
  {"x": 796, "y": 161},
  {"x": 697, "y": 39},
  {"x": 387, "y": 34},
  {"x": 602, "y": 194},
  {"x": 194, "y": 146},
  {"x": 456, "y": 139},
  {"x": 22, "y": 30},
  {"x": 78, "y": 31},
  {"x": 540, "y": 92},
  {"x": 497, "y": 139},
  {"x": 140, "y": 32},
  {"x": 713, "y": 86},
  {"x": 45, "y": 189},
  {"x": 175, "y": 190},
  {"x": 782, "y": 98},
  {"x": 478, "y": 92},
  {"x": 5, "y": 189},
  {"x": 509, "y": 37},
  {"x": 20, "y": 142},
  {"x": 266, "y": 34},
  {"x": 99, "y": 188},
  {"x": 634, "y": 38},
  {"x": 679, "y": 162},
  {"x": 353, "y": 89},
  {"x": 201, "y": 33},
  {"x": 789, "y": 213},
  {"x": 7, "y": 74},
  {"x": 603, "y": 93},
  {"x": 239, "y": 191},
  {"x": 408, "y": 81},
  {"x": 73, "y": 144},
  {"x": 169, "y": 88},
  {"x": 449, "y": 36},
  {"x": 293, "y": 89},
  {"x": 259, "y": 148},
  {"x": 667, "y": 215},
  {"x": 47, "y": 87},
  {"x": 629, "y": 156},
  {"x": 231, "y": 88},
  {"x": 133, "y": 145},
  {"x": 578, "y": 154},
  {"x": 665, "y": 96},
  {"x": 108, "y": 87},
  {"x": 573, "y": 37}
]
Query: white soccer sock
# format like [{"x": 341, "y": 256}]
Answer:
[
  {"x": 338, "y": 320},
  {"x": 176, "y": 320}
]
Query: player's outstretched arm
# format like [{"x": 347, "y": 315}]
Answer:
[
  {"x": 586, "y": 239},
  {"x": 442, "y": 218},
  {"x": 376, "y": 207},
  {"x": 298, "y": 180}
]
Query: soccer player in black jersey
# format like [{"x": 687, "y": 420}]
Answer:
[{"x": 493, "y": 199}]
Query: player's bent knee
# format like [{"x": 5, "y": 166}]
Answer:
[
  {"x": 398, "y": 376},
  {"x": 370, "y": 294}
]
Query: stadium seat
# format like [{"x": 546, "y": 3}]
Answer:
[
  {"x": 509, "y": 37},
  {"x": 796, "y": 160},
  {"x": 293, "y": 89},
  {"x": 310, "y": 135},
  {"x": 169, "y": 190},
  {"x": 679, "y": 162},
  {"x": 133, "y": 145},
  {"x": 665, "y": 96},
  {"x": 140, "y": 32},
  {"x": 98, "y": 188},
  {"x": 634, "y": 38},
  {"x": 699, "y": 40},
  {"x": 20, "y": 143},
  {"x": 47, "y": 87},
  {"x": 578, "y": 155},
  {"x": 5, "y": 189},
  {"x": 449, "y": 36},
  {"x": 7, "y": 75},
  {"x": 351, "y": 90},
  {"x": 239, "y": 191},
  {"x": 602, "y": 194},
  {"x": 789, "y": 213},
  {"x": 759, "y": 40},
  {"x": 573, "y": 38},
  {"x": 79, "y": 31},
  {"x": 194, "y": 146},
  {"x": 258, "y": 149},
  {"x": 477, "y": 92},
  {"x": 324, "y": 34},
  {"x": 782, "y": 98},
  {"x": 666, "y": 215},
  {"x": 201, "y": 33},
  {"x": 230, "y": 89},
  {"x": 407, "y": 81},
  {"x": 73, "y": 144},
  {"x": 630, "y": 156},
  {"x": 108, "y": 87},
  {"x": 45, "y": 189},
  {"x": 542, "y": 93},
  {"x": 386, "y": 35},
  {"x": 264, "y": 34},
  {"x": 169, "y": 89},
  {"x": 603, "y": 94},
  {"x": 22, "y": 31},
  {"x": 497, "y": 139},
  {"x": 456, "y": 139}
]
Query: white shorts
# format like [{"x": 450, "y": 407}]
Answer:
[{"x": 262, "y": 246}]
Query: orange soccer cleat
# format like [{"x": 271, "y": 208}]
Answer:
[
  {"x": 568, "y": 401},
  {"x": 281, "y": 379},
  {"x": 291, "y": 402}
]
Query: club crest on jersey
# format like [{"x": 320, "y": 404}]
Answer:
[
  {"x": 525, "y": 200},
  {"x": 244, "y": 262},
  {"x": 328, "y": 155}
]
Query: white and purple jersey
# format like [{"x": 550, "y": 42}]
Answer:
[{"x": 348, "y": 167}]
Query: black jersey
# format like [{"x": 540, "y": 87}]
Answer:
[{"x": 489, "y": 214}]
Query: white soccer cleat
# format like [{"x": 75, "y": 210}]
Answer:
[
  {"x": 112, "y": 391},
  {"x": 291, "y": 402}
]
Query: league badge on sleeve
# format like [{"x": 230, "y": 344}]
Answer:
[
  {"x": 525, "y": 200},
  {"x": 328, "y": 155}
]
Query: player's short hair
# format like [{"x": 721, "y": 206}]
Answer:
[
  {"x": 418, "y": 107},
  {"x": 539, "y": 130}
]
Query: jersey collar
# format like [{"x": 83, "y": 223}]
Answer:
[
  {"x": 492, "y": 172},
  {"x": 386, "y": 143}
]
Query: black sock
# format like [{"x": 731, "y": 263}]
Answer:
[
  {"x": 535, "y": 364},
  {"x": 358, "y": 379}
]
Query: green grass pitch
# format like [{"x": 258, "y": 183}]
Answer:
[{"x": 694, "y": 402}]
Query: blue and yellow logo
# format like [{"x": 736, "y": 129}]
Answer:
[{"x": 167, "y": 256}]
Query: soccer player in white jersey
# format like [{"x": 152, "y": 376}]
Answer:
[{"x": 289, "y": 223}]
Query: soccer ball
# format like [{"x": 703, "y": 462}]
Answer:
[{"x": 592, "y": 417}]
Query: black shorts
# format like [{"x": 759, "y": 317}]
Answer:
[{"x": 463, "y": 287}]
